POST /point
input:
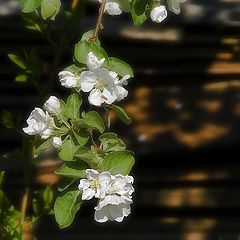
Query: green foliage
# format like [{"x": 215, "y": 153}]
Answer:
[
  {"x": 18, "y": 61},
  {"x": 68, "y": 150},
  {"x": 42, "y": 204},
  {"x": 82, "y": 137},
  {"x": 111, "y": 143},
  {"x": 120, "y": 67},
  {"x": 75, "y": 169},
  {"x": 30, "y": 67},
  {"x": 74, "y": 103},
  {"x": 84, "y": 47},
  {"x": 50, "y": 9},
  {"x": 28, "y": 6},
  {"x": 140, "y": 10},
  {"x": 42, "y": 146},
  {"x": 7, "y": 119},
  {"x": 9, "y": 222},
  {"x": 66, "y": 206},
  {"x": 93, "y": 120},
  {"x": 120, "y": 162},
  {"x": 88, "y": 156},
  {"x": 121, "y": 113}
]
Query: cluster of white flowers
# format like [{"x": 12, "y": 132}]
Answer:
[
  {"x": 157, "y": 14},
  {"x": 41, "y": 122},
  {"x": 113, "y": 191},
  {"x": 103, "y": 85}
]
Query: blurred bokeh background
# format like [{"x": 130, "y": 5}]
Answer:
[{"x": 185, "y": 106}]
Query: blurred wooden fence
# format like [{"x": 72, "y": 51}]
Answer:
[{"x": 185, "y": 103}]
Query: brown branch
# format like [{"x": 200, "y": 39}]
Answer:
[
  {"x": 99, "y": 24},
  {"x": 24, "y": 205},
  {"x": 74, "y": 4}
]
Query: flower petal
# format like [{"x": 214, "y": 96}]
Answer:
[
  {"x": 109, "y": 96},
  {"x": 87, "y": 81},
  {"x": 93, "y": 62},
  {"x": 112, "y": 8},
  {"x": 88, "y": 194},
  {"x": 101, "y": 215},
  {"x": 92, "y": 174},
  {"x": 95, "y": 97}
]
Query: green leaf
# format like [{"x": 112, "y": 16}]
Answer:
[
  {"x": 75, "y": 169},
  {"x": 18, "y": 61},
  {"x": 111, "y": 143},
  {"x": 50, "y": 9},
  {"x": 88, "y": 35},
  {"x": 83, "y": 48},
  {"x": 68, "y": 150},
  {"x": 4, "y": 202},
  {"x": 121, "y": 114},
  {"x": 63, "y": 109},
  {"x": 21, "y": 78},
  {"x": 66, "y": 206},
  {"x": 120, "y": 162},
  {"x": 81, "y": 137},
  {"x": 88, "y": 157},
  {"x": 139, "y": 10},
  {"x": 93, "y": 120},
  {"x": 28, "y": 6},
  {"x": 74, "y": 103},
  {"x": 2, "y": 173},
  {"x": 7, "y": 119},
  {"x": 65, "y": 183},
  {"x": 120, "y": 67},
  {"x": 36, "y": 207},
  {"x": 174, "y": 6},
  {"x": 47, "y": 195},
  {"x": 42, "y": 147}
]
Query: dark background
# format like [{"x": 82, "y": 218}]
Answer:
[{"x": 185, "y": 106}]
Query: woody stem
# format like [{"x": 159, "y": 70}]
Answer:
[{"x": 99, "y": 24}]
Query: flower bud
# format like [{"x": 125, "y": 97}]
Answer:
[
  {"x": 57, "y": 142},
  {"x": 158, "y": 14},
  {"x": 52, "y": 105}
]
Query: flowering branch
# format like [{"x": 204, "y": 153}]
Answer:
[{"x": 99, "y": 24}]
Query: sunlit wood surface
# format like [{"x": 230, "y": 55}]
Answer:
[{"x": 185, "y": 106}]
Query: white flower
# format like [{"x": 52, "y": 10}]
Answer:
[
  {"x": 93, "y": 62},
  {"x": 104, "y": 85},
  {"x": 121, "y": 92},
  {"x": 68, "y": 79},
  {"x": 158, "y": 14},
  {"x": 112, "y": 7},
  {"x": 95, "y": 185},
  {"x": 57, "y": 142},
  {"x": 40, "y": 123},
  {"x": 116, "y": 204},
  {"x": 52, "y": 105}
]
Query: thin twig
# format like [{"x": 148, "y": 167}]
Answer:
[
  {"x": 24, "y": 205},
  {"x": 99, "y": 24},
  {"x": 74, "y": 4}
]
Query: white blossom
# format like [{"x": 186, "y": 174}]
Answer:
[
  {"x": 116, "y": 204},
  {"x": 158, "y": 14},
  {"x": 112, "y": 7},
  {"x": 39, "y": 122},
  {"x": 68, "y": 79},
  {"x": 52, "y": 105},
  {"x": 104, "y": 85},
  {"x": 93, "y": 62},
  {"x": 57, "y": 142},
  {"x": 95, "y": 185}
]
